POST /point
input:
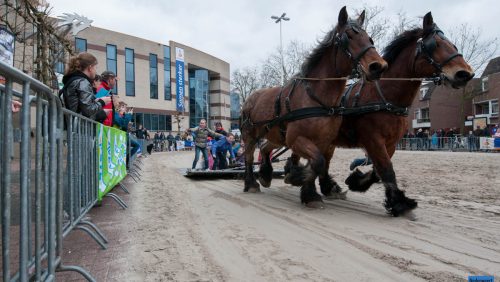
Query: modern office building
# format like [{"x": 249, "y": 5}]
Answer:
[{"x": 154, "y": 76}]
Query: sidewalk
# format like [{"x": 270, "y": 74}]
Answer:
[
  {"x": 155, "y": 239},
  {"x": 81, "y": 250}
]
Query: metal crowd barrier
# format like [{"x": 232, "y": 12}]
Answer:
[
  {"x": 36, "y": 213},
  {"x": 455, "y": 143}
]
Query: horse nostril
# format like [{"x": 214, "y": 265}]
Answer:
[
  {"x": 375, "y": 68},
  {"x": 464, "y": 75}
]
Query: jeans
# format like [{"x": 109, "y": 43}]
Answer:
[
  {"x": 197, "y": 156},
  {"x": 134, "y": 145},
  {"x": 220, "y": 162}
]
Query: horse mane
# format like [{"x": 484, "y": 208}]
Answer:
[
  {"x": 401, "y": 41},
  {"x": 319, "y": 51}
]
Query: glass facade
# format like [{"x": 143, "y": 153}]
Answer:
[
  {"x": 129, "y": 72},
  {"x": 235, "y": 105},
  {"x": 198, "y": 96},
  {"x": 166, "y": 73},
  {"x": 111, "y": 64},
  {"x": 153, "y": 122},
  {"x": 80, "y": 45},
  {"x": 153, "y": 76}
]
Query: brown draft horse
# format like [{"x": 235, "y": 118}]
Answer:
[
  {"x": 417, "y": 53},
  {"x": 345, "y": 48}
]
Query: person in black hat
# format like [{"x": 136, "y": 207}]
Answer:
[
  {"x": 219, "y": 129},
  {"x": 108, "y": 82}
]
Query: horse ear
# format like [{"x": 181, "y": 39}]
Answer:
[
  {"x": 428, "y": 21},
  {"x": 361, "y": 18},
  {"x": 343, "y": 17}
]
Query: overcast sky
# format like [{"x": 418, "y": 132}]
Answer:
[{"x": 241, "y": 31}]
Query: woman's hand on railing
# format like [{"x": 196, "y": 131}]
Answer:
[{"x": 16, "y": 106}]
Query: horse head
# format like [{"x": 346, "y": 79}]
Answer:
[
  {"x": 437, "y": 56},
  {"x": 357, "y": 47}
]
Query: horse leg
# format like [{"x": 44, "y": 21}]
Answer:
[
  {"x": 294, "y": 171},
  {"x": 251, "y": 184},
  {"x": 329, "y": 188},
  {"x": 396, "y": 202},
  {"x": 266, "y": 168},
  {"x": 307, "y": 149}
]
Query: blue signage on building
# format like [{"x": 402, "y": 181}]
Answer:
[{"x": 179, "y": 78}]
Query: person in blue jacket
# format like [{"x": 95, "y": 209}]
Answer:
[
  {"x": 121, "y": 120},
  {"x": 220, "y": 149}
]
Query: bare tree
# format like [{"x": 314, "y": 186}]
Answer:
[
  {"x": 375, "y": 24},
  {"x": 476, "y": 50},
  {"x": 245, "y": 82},
  {"x": 404, "y": 23},
  {"x": 274, "y": 67},
  {"x": 41, "y": 42},
  {"x": 178, "y": 118}
]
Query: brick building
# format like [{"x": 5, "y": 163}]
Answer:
[{"x": 441, "y": 107}]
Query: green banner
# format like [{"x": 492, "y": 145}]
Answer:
[{"x": 111, "y": 158}]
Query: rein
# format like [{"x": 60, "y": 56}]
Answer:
[{"x": 436, "y": 80}]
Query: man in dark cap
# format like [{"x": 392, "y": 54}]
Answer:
[{"x": 108, "y": 82}]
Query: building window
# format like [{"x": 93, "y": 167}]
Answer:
[
  {"x": 147, "y": 121},
  {"x": 199, "y": 100},
  {"x": 153, "y": 76},
  {"x": 111, "y": 64},
  {"x": 494, "y": 108},
  {"x": 423, "y": 92},
  {"x": 153, "y": 122},
  {"x": 483, "y": 108},
  {"x": 80, "y": 45},
  {"x": 166, "y": 73},
  {"x": 484, "y": 84},
  {"x": 424, "y": 115},
  {"x": 60, "y": 56},
  {"x": 129, "y": 72},
  {"x": 138, "y": 119}
]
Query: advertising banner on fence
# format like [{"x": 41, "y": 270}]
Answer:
[
  {"x": 111, "y": 158},
  {"x": 179, "y": 78},
  {"x": 487, "y": 143},
  {"x": 6, "y": 46}
]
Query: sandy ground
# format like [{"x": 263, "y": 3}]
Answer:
[{"x": 188, "y": 230}]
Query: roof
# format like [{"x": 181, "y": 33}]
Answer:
[{"x": 492, "y": 67}]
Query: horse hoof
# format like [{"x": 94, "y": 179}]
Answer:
[
  {"x": 337, "y": 196},
  {"x": 254, "y": 190},
  {"x": 264, "y": 183},
  {"x": 315, "y": 205},
  {"x": 410, "y": 215}
]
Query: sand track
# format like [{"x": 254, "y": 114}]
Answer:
[{"x": 191, "y": 230}]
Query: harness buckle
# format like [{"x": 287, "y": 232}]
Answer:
[{"x": 331, "y": 111}]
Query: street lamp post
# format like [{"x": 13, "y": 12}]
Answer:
[{"x": 278, "y": 20}]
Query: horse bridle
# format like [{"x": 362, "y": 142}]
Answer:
[
  {"x": 427, "y": 45},
  {"x": 342, "y": 41}
]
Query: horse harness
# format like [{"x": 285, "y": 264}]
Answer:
[
  {"x": 324, "y": 110},
  {"x": 426, "y": 47}
]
